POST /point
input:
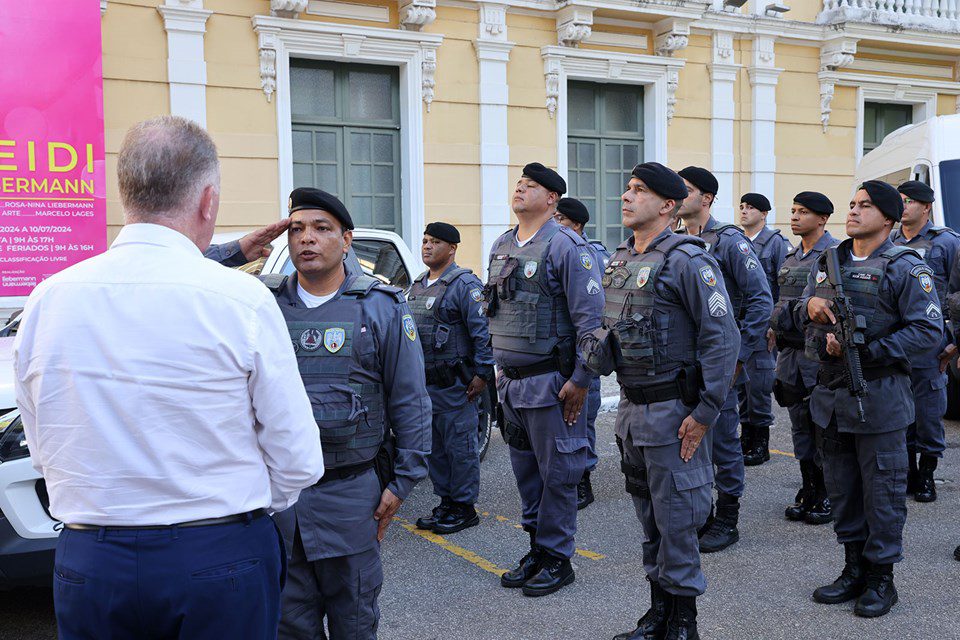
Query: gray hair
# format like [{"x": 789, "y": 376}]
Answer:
[{"x": 164, "y": 163}]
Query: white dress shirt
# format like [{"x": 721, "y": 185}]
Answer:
[{"x": 159, "y": 387}]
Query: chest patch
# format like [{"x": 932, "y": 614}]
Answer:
[
  {"x": 865, "y": 276},
  {"x": 333, "y": 339},
  {"x": 430, "y": 302},
  {"x": 643, "y": 276},
  {"x": 707, "y": 275},
  {"x": 821, "y": 276},
  {"x": 530, "y": 268},
  {"x": 310, "y": 340},
  {"x": 410, "y": 327}
]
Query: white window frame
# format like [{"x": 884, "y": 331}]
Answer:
[
  {"x": 413, "y": 52},
  {"x": 651, "y": 72}
]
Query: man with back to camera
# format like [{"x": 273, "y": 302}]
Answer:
[
  {"x": 938, "y": 246},
  {"x": 797, "y": 374},
  {"x": 574, "y": 214},
  {"x": 362, "y": 365},
  {"x": 669, "y": 318},
  {"x": 756, "y": 406},
  {"x": 746, "y": 284},
  {"x": 160, "y": 400},
  {"x": 543, "y": 292},
  {"x": 863, "y": 440},
  {"x": 445, "y": 303}
]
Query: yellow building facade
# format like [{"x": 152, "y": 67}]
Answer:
[{"x": 421, "y": 110}]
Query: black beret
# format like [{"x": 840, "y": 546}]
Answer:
[
  {"x": 701, "y": 179},
  {"x": 545, "y": 177},
  {"x": 885, "y": 197},
  {"x": 662, "y": 180},
  {"x": 443, "y": 231},
  {"x": 574, "y": 209},
  {"x": 310, "y": 198},
  {"x": 757, "y": 200},
  {"x": 916, "y": 190},
  {"x": 816, "y": 202}
]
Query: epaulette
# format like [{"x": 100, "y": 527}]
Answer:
[
  {"x": 898, "y": 251},
  {"x": 274, "y": 281}
]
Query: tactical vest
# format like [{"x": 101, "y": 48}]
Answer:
[
  {"x": 443, "y": 339},
  {"x": 336, "y": 355},
  {"x": 524, "y": 316},
  {"x": 655, "y": 334},
  {"x": 792, "y": 279},
  {"x": 922, "y": 244},
  {"x": 862, "y": 282},
  {"x": 766, "y": 261},
  {"x": 712, "y": 238}
]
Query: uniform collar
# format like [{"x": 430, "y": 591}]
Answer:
[
  {"x": 628, "y": 243},
  {"x": 453, "y": 265},
  {"x": 293, "y": 297},
  {"x": 538, "y": 235},
  {"x": 825, "y": 241},
  {"x": 156, "y": 235},
  {"x": 711, "y": 223},
  {"x": 847, "y": 247}
]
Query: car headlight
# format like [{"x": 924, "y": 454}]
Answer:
[{"x": 13, "y": 444}]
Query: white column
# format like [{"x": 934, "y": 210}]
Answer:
[
  {"x": 493, "y": 53},
  {"x": 763, "y": 78},
  {"x": 723, "y": 74},
  {"x": 185, "y": 22}
]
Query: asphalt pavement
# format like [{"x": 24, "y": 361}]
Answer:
[{"x": 448, "y": 587}]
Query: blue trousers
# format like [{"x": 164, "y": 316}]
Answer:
[
  {"x": 727, "y": 454},
  {"x": 756, "y": 404},
  {"x": 195, "y": 583},
  {"x": 926, "y": 434},
  {"x": 454, "y": 460},
  {"x": 593, "y": 408}
]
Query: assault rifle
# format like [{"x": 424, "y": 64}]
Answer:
[{"x": 850, "y": 332}]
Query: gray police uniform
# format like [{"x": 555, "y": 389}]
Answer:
[
  {"x": 540, "y": 297},
  {"x": 600, "y": 257},
  {"x": 938, "y": 246},
  {"x": 668, "y": 311},
  {"x": 756, "y": 408},
  {"x": 749, "y": 293},
  {"x": 360, "y": 361},
  {"x": 865, "y": 463},
  {"x": 796, "y": 373},
  {"x": 455, "y": 342}
]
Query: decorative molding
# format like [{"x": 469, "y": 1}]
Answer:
[
  {"x": 416, "y": 14},
  {"x": 493, "y": 21},
  {"x": 623, "y": 40},
  {"x": 103, "y": 7},
  {"x": 723, "y": 47},
  {"x": 836, "y": 53},
  {"x": 414, "y": 53},
  {"x": 185, "y": 22},
  {"x": 671, "y": 36},
  {"x": 353, "y": 11},
  {"x": 287, "y": 8},
  {"x": 268, "y": 71},
  {"x": 901, "y": 68},
  {"x": 574, "y": 25}
]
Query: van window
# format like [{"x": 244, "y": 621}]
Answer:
[
  {"x": 950, "y": 193},
  {"x": 897, "y": 177}
]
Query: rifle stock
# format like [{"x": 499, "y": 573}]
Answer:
[{"x": 850, "y": 329}]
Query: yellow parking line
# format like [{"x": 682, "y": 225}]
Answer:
[
  {"x": 442, "y": 542},
  {"x": 782, "y": 453},
  {"x": 591, "y": 555}
]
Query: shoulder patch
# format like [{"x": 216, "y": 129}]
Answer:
[
  {"x": 708, "y": 276},
  {"x": 585, "y": 261},
  {"x": 926, "y": 282},
  {"x": 410, "y": 327},
  {"x": 921, "y": 269},
  {"x": 743, "y": 247},
  {"x": 476, "y": 295}
]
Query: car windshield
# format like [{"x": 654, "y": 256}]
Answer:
[{"x": 950, "y": 193}]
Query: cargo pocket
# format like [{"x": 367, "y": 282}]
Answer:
[
  {"x": 571, "y": 460},
  {"x": 338, "y": 412},
  {"x": 466, "y": 432},
  {"x": 370, "y": 582},
  {"x": 890, "y": 490},
  {"x": 690, "y": 498}
]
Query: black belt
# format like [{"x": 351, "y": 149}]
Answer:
[
  {"x": 536, "y": 369},
  {"x": 834, "y": 379},
  {"x": 344, "y": 472},
  {"x": 789, "y": 342},
  {"x": 875, "y": 373},
  {"x": 653, "y": 393},
  {"x": 205, "y": 522}
]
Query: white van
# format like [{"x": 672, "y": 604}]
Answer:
[{"x": 929, "y": 152}]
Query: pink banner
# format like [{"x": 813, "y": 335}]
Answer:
[{"x": 52, "y": 190}]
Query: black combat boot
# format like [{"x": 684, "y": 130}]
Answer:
[
  {"x": 926, "y": 490},
  {"x": 529, "y": 565},
  {"x": 427, "y": 522},
  {"x": 746, "y": 437},
  {"x": 759, "y": 449},
  {"x": 683, "y": 619},
  {"x": 819, "y": 510},
  {"x": 584, "y": 491},
  {"x": 880, "y": 594},
  {"x": 653, "y": 624},
  {"x": 956, "y": 554},
  {"x": 723, "y": 532},
  {"x": 852, "y": 580},
  {"x": 913, "y": 474},
  {"x": 460, "y": 516},
  {"x": 798, "y": 510},
  {"x": 555, "y": 573}
]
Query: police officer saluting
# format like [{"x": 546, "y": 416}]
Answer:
[
  {"x": 544, "y": 291},
  {"x": 797, "y": 374},
  {"x": 756, "y": 407},
  {"x": 749, "y": 293},
  {"x": 865, "y": 452},
  {"x": 669, "y": 332},
  {"x": 359, "y": 356},
  {"x": 574, "y": 214},
  {"x": 938, "y": 247},
  {"x": 445, "y": 302}
]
